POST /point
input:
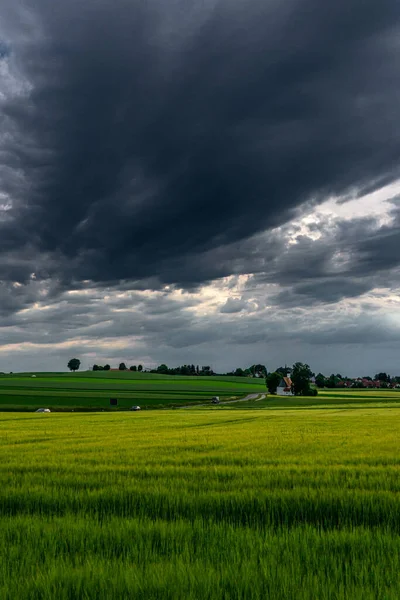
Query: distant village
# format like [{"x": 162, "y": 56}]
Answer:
[{"x": 380, "y": 381}]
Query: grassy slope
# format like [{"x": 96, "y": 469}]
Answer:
[
  {"x": 336, "y": 399},
  {"x": 93, "y": 390},
  {"x": 205, "y": 504}
]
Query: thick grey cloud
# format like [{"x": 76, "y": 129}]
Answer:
[
  {"x": 150, "y": 133},
  {"x": 167, "y": 142}
]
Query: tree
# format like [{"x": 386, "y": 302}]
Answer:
[
  {"x": 163, "y": 369},
  {"x": 301, "y": 374},
  {"x": 332, "y": 381},
  {"x": 320, "y": 380},
  {"x": 272, "y": 381},
  {"x": 239, "y": 372},
  {"x": 382, "y": 377},
  {"x": 133, "y": 368},
  {"x": 95, "y": 367},
  {"x": 122, "y": 367},
  {"x": 206, "y": 370},
  {"x": 259, "y": 370},
  {"x": 140, "y": 368},
  {"x": 107, "y": 367},
  {"x": 283, "y": 370},
  {"x": 74, "y": 364}
]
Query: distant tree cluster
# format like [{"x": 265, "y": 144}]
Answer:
[
  {"x": 253, "y": 371},
  {"x": 122, "y": 367},
  {"x": 131, "y": 368},
  {"x": 163, "y": 369}
]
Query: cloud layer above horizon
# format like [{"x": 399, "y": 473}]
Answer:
[{"x": 216, "y": 180}]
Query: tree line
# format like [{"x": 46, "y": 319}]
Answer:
[
  {"x": 256, "y": 370},
  {"x": 301, "y": 375}
]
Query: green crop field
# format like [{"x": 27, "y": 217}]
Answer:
[
  {"x": 282, "y": 500},
  {"x": 93, "y": 390}
]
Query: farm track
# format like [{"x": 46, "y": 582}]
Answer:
[{"x": 245, "y": 399}]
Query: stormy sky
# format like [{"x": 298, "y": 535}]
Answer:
[{"x": 213, "y": 182}]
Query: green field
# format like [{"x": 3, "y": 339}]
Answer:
[
  {"x": 272, "y": 501},
  {"x": 93, "y": 390}
]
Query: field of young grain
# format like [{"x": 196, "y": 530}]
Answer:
[
  {"x": 93, "y": 390},
  {"x": 288, "y": 504}
]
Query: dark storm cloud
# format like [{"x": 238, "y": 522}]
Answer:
[
  {"x": 4, "y": 50},
  {"x": 152, "y": 134}
]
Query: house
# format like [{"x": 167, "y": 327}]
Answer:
[{"x": 285, "y": 387}]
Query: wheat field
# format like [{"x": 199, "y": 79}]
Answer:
[{"x": 201, "y": 504}]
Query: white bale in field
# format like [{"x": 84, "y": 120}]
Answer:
[
  {"x": 33, "y": 375},
  {"x": 135, "y": 408},
  {"x": 43, "y": 410}
]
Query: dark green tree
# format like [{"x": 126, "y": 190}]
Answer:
[
  {"x": 74, "y": 364},
  {"x": 332, "y": 381},
  {"x": 206, "y": 370},
  {"x": 259, "y": 370},
  {"x": 140, "y": 368},
  {"x": 107, "y": 367},
  {"x": 301, "y": 374},
  {"x": 133, "y": 368},
  {"x": 272, "y": 381},
  {"x": 122, "y": 366},
  {"x": 283, "y": 370},
  {"x": 382, "y": 377},
  {"x": 320, "y": 380}
]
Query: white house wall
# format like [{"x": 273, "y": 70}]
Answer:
[{"x": 281, "y": 392}]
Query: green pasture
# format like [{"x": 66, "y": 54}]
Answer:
[
  {"x": 295, "y": 503},
  {"x": 336, "y": 399},
  {"x": 93, "y": 390}
]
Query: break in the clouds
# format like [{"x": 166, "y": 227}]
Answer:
[{"x": 212, "y": 178}]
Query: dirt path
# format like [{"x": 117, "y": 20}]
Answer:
[{"x": 255, "y": 397}]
